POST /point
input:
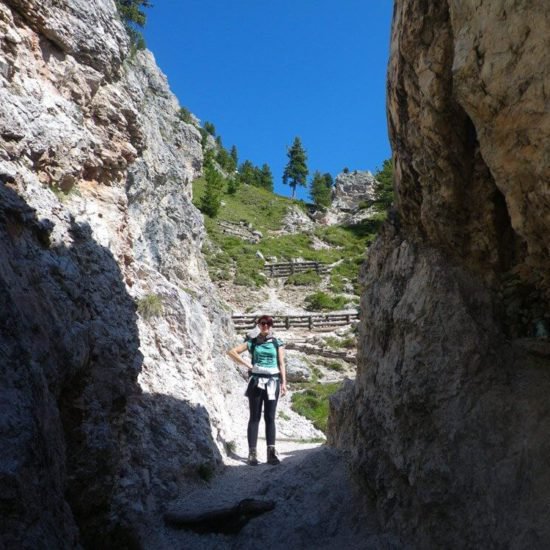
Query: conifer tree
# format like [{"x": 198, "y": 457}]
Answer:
[
  {"x": 296, "y": 170},
  {"x": 234, "y": 155},
  {"x": 383, "y": 190},
  {"x": 224, "y": 159},
  {"x": 320, "y": 189},
  {"x": 210, "y": 128},
  {"x": 133, "y": 16},
  {"x": 233, "y": 185},
  {"x": 211, "y": 200},
  {"x": 266, "y": 177},
  {"x": 248, "y": 173}
]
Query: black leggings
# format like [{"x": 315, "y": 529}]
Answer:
[{"x": 256, "y": 398}]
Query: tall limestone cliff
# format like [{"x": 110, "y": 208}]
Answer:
[
  {"x": 106, "y": 413},
  {"x": 449, "y": 418}
]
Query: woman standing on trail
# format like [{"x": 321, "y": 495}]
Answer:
[{"x": 267, "y": 379}]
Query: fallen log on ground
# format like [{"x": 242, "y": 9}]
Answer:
[{"x": 228, "y": 520}]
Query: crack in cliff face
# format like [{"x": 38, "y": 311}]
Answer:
[{"x": 442, "y": 178}]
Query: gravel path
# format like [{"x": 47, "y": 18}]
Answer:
[{"x": 317, "y": 505}]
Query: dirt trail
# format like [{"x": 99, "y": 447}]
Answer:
[{"x": 316, "y": 503}]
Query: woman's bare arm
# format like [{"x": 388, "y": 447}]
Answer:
[
  {"x": 282, "y": 368},
  {"x": 235, "y": 352}
]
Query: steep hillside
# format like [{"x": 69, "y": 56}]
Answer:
[{"x": 255, "y": 227}]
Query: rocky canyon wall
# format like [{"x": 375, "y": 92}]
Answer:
[
  {"x": 106, "y": 413},
  {"x": 449, "y": 417}
]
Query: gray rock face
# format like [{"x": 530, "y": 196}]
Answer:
[
  {"x": 167, "y": 229},
  {"x": 297, "y": 369},
  {"x": 109, "y": 406},
  {"x": 351, "y": 188},
  {"x": 296, "y": 220},
  {"x": 91, "y": 32},
  {"x": 446, "y": 419},
  {"x": 349, "y": 191}
]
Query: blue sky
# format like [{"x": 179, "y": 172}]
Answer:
[{"x": 265, "y": 72}]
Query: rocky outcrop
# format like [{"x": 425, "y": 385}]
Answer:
[
  {"x": 109, "y": 407},
  {"x": 296, "y": 220},
  {"x": 351, "y": 192},
  {"x": 447, "y": 418},
  {"x": 352, "y": 188}
]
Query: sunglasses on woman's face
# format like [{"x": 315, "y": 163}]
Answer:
[{"x": 265, "y": 323}]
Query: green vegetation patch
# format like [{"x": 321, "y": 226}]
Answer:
[
  {"x": 321, "y": 301},
  {"x": 283, "y": 415},
  {"x": 260, "y": 207},
  {"x": 306, "y": 278},
  {"x": 339, "y": 343},
  {"x": 150, "y": 306},
  {"x": 313, "y": 403},
  {"x": 289, "y": 247},
  {"x": 335, "y": 366},
  {"x": 206, "y": 471},
  {"x": 232, "y": 258},
  {"x": 230, "y": 447}
]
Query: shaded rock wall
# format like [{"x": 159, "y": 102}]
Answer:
[
  {"x": 447, "y": 418},
  {"x": 106, "y": 414}
]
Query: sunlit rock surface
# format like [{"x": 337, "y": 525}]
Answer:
[
  {"x": 110, "y": 400},
  {"x": 350, "y": 195},
  {"x": 449, "y": 417}
]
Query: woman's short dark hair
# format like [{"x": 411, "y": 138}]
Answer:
[{"x": 267, "y": 319}]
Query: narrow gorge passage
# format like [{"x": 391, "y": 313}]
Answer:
[
  {"x": 129, "y": 236},
  {"x": 313, "y": 497}
]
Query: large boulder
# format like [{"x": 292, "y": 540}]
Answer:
[{"x": 297, "y": 367}]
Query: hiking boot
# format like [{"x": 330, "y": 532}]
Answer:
[
  {"x": 252, "y": 458},
  {"x": 272, "y": 457}
]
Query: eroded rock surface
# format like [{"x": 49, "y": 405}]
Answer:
[
  {"x": 114, "y": 391},
  {"x": 447, "y": 419},
  {"x": 352, "y": 188}
]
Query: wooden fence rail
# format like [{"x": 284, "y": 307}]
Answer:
[
  {"x": 298, "y": 321},
  {"x": 285, "y": 269}
]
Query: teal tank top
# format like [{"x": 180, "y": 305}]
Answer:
[{"x": 264, "y": 354}]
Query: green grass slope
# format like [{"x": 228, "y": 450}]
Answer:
[{"x": 231, "y": 258}]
